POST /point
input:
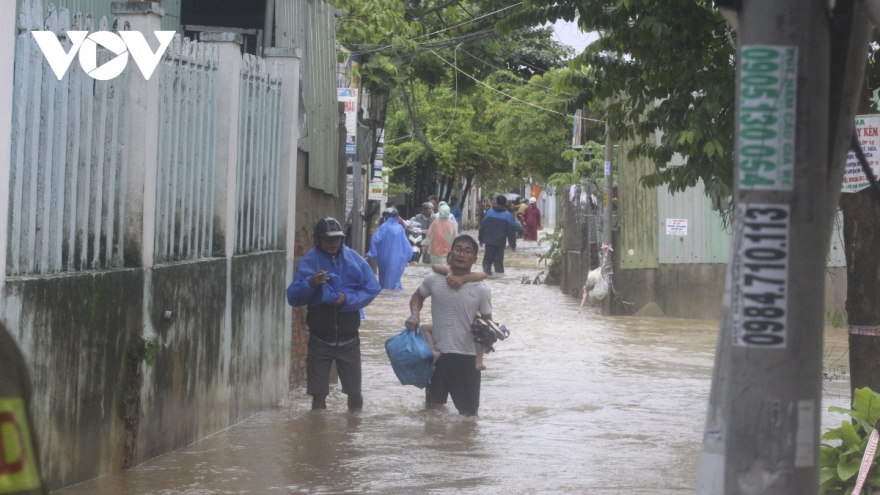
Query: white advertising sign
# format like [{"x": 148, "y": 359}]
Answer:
[
  {"x": 676, "y": 226},
  {"x": 377, "y": 191},
  {"x": 760, "y": 275},
  {"x": 854, "y": 179},
  {"x": 350, "y": 97}
]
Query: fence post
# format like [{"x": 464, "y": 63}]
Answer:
[
  {"x": 226, "y": 161},
  {"x": 290, "y": 58},
  {"x": 143, "y": 139},
  {"x": 7, "y": 60}
]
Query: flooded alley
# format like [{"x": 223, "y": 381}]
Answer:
[{"x": 570, "y": 403}]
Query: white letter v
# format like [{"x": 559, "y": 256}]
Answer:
[
  {"x": 54, "y": 52},
  {"x": 141, "y": 52}
]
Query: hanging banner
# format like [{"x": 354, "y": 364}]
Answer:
[
  {"x": 349, "y": 96},
  {"x": 854, "y": 178}
]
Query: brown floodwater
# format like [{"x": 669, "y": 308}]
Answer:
[{"x": 571, "y": 403}]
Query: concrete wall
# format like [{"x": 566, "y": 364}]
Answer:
[
  {"x": 224, "y": 348},
  {"x": 695, "y": 290},
  {"x": 682, "y": 291},
  {"x": 75, "y": 331},
  {"x": 98, "y": 407}
]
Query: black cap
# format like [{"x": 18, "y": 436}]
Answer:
[{"x": 328, "y": 227}]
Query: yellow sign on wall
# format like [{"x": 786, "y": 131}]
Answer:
[{"x": 18, "y": 466}]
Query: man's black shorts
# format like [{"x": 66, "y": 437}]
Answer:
[
  {"x": 348, "y": 365},
  {"x": 456, "y": 375}
]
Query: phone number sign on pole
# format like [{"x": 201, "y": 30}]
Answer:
[
  {"x": 760, "y": 301},
  {"x": 766, "y": 119}
]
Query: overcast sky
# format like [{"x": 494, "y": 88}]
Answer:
[{"x": 569, "y": 34}]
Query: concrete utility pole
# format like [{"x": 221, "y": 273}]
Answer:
[
  {"x": 357, "y": 218},
  {"x": 797, "y": 81},
  {"x": 609, "y": 203}
]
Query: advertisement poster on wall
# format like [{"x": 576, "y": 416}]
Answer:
[
  {"x": 377, "y": 190},
  {"x": 349, "y": 96},
  {"x": 676, "y": 226},
  {"x": 854, "y": 178}
]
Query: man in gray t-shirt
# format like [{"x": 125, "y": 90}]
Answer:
[{"x": 457, "y": 371}]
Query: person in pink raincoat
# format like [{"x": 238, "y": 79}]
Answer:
[{"x": 440, "y": 236}]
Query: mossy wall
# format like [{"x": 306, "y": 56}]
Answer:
[
  {"x": 74, "y": 331},
  {"x": 223, "y": 355}
]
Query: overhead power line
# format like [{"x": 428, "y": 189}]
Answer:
[
  {"x": 507, "y": 95},
  {"x": 524, "y": 79},
  {"x": 385, "y": 47}
]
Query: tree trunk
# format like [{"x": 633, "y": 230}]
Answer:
[
  {"x": 861, "y": 236},
  {"x": 861, "y": 246},
  {"x": 450, "y": 183},
  {"x": 467, "y": 189}
]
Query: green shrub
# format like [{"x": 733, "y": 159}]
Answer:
[{"x": 840, "y": 462}]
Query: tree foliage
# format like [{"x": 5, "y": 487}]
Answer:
[
  {"x": 671, "y": 65},
  {"x": 491, "y": 132},
  {"x": 435, "y": 59}
]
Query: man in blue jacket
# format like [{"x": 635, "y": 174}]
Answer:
[
  {"x": 335, "y": 283},
  {"x": 497, "y": 228}
]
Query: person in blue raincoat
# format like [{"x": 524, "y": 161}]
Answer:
[
  {"x": 391, "y": 250},
  {"x": 335, "y": 283}
]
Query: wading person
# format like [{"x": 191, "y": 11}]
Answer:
[
  {"x": 531, "y": 219},
  {"x": 391, "y": 250},
  {"x": 455, "y": 209},
  {"x": 390, "y": 206},
  {"x": 335, "y": 283},
  {"x": 423, "y": 220},
  {"x": 457, "y": 357},
  {"x": 496, "y": 229},
  {"x": 440, "y": 236},
  {"x": 19, "y": 468}
]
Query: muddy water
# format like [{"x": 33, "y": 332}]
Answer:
[{"x": 571, "y": 403}]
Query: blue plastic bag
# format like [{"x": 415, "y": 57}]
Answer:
[{"x": 411, "y": 358}]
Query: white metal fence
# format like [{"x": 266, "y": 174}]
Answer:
[
  {"x": 68, "y": 166},
  {"x": 68, "y": 171},
  {"x": 258, "y": 156},
  {"x": 185, "y": 185}
]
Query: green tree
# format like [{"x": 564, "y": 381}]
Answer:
[
  {"x": 406, "y": 47},
  {"x": 671, "y": 64},
  {"x": 534, "y": 140},
  {"x": 457, "y": 130}
]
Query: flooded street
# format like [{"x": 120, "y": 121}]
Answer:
[{"x": 571, "y": 403}]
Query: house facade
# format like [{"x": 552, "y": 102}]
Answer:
[{"x": 148, "y": 227}]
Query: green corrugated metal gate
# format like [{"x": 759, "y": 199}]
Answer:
[
  {"x": 637, "y": 213},
  {"x": 311, "y": 25},
  {"x": 643, "y": 214}
]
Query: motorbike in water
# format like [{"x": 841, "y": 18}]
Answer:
[{"x": 416, "y": 235}]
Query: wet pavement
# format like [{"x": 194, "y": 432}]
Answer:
[{"x": 571, "y": 403}]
